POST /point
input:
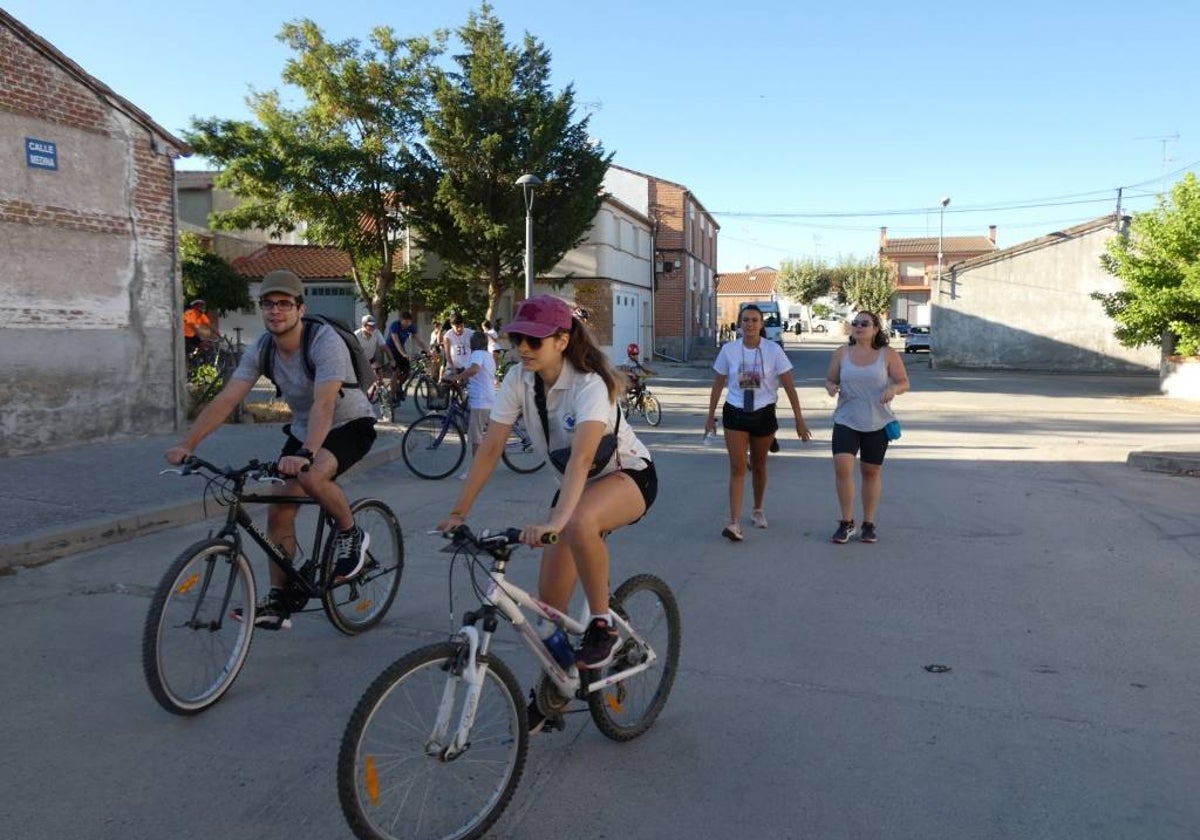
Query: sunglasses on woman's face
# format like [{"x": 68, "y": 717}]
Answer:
[
  {"x": 862, "y": 323},
  {"x": 531, "y": 341}
]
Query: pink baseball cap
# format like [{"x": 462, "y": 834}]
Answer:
[{"x": 541, "y": 316}]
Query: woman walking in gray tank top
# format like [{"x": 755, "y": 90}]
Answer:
[{"x": 864, "y": 375}]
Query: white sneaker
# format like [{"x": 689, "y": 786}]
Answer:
[{"x": 759, "y": 518}]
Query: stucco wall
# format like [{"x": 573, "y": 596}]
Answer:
[
  {"x": 1032, "y": 310},
  {"x": 88, "y": 289}
]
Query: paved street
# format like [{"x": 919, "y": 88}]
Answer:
[{"x": 1058, "y": 584}]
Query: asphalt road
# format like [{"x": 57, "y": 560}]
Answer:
[{"x": 1058, "y": 586}]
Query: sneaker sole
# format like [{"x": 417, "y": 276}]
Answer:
[
  {"x": 262, "y": 624},
  {"x": 846, "y": 540},
  {"x": 870, "y": 540},
  {"x": 732, "y": 535}
]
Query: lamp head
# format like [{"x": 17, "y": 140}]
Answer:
[{"x": 945, "y": 201}]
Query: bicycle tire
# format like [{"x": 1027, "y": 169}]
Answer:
[
  {"x": 652, "y": 409},
  {"x": 627, "y": 709},
  {"x": 395, "y": 798},
  {"x": 192, "y": 647},
  {"x": 362, "y": 603},
  {"x": 428, "y": 451},
  {"x": 519, "y": 454},
  {"x": 420, "y": 394}
]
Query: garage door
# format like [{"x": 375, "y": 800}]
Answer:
[
  {"x": 627, "y": 309},
  {"x": 333, "y": 299}
]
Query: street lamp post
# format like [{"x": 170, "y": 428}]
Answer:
[
  {"x": 527, "y": 184},
  {"x": 941, "y": 227}
]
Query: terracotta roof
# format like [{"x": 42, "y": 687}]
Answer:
[
  {"x": 759, "y": 282},
  {"x": 98, "y": 87},
  {"x": 1043, "y": 241},
  {"x": 310, "y": 262},
  {"x": 929, "y": 245}
]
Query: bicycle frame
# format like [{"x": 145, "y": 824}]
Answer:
[{"x": 508, "y": 599}]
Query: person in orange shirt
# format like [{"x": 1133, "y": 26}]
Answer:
[{"x": 198, "y": 326}]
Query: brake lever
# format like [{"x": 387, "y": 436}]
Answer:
[{"x": 174, "y": 472}]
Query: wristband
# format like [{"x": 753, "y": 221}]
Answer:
[{"x": 306, "y": 454}]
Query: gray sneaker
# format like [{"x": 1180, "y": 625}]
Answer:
[{"x": 868, "y": 533}]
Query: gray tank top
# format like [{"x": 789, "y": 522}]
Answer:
[{"x": 861, "y": 387}]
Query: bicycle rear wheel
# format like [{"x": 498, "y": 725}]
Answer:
[
  {"x": 192, "y": 647},
  {"x": 392, "y": 780},
  {"x": 422, "y": 388},
  {"x": 433, "y": 447},
  {"x": 519, "y": 454},
  {"x": 362, "y": 602},
  {"x": 627, "y": 709},
  {"x": 652, "y": 409}
]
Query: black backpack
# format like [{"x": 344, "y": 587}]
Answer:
[{"x": 363, "y": 371}]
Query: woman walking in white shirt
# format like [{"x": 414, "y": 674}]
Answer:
[{"x": 754, "y": 369}]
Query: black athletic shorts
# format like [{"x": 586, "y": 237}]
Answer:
[
  {"x": 646, "y": 480},
  {"x": 848, "y": 441},
  {"x": 760, "y": 423},
  {"x": 348, "y": 443}
]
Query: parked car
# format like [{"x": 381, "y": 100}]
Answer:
[
  {"x": 832, "y": 325},
  {"x": 899, "y": 326},
  {"x": 916, "y": 339}
]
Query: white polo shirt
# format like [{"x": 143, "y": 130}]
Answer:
[{"x": 575, "y": 398}]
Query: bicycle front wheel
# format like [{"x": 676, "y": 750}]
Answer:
[
  {"x": 192, "y": 646},
  {"x": 361, "y": 603},
  {"x": 393, "y": 781},
  {"x": 627, "y": 709},
  {"x": 652, "y": 409},
  {"x": 519, "y": 454},
  {"x": 433, "y": 447}
]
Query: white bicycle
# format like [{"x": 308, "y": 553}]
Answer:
[{"x": 436, "y": 746}]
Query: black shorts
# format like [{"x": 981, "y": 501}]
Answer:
[
  {"x": 348, "y": 443},
  {"x": 760, "y": 423},
  {"x": 646, "y": 480},
  {"x": 847, "y": 441}
]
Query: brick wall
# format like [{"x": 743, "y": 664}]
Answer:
[{"x": 596, "y": 296}]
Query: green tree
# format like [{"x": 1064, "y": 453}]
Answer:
[
  {"x": 869, "y": 287},
  {"x": 804, "y": 280},
  {"x": 207, "y": 276},
  {"x": 1159, "y": 263},
  {"x": 345, "y": 161},
  {"x": 496, "y": 119}
]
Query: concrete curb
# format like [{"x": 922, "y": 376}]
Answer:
[
  {"x": 48, "y": 546},
  {"x": 1176, "y": 463}
]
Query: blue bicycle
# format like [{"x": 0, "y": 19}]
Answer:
[{"x": 436, "y": 443}]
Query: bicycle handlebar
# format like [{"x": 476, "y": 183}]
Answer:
[
  {"x": 257, "y": 470},
  {"x": 489, "y": 541}
]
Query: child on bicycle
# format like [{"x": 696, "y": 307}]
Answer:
[{"x": 566, "y": 379}]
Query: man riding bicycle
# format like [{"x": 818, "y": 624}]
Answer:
[
  {"x": 199, "y": 328},
  {"x": 399, "y": 334},
  {"x": 332, "y": 428}
]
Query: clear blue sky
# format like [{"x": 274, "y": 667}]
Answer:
[{"x": 767, "y": 107}]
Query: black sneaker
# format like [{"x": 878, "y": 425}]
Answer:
[
  {"x": 598, "y": 646},
  {"x": 868, "y": 533},
  {"x": 844, "y": 532},
  {"x": 270, "y": 614},
  {"x": 349, "y": 553},
  {"x": 774, "y": 444}
]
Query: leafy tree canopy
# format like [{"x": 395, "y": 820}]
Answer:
[
  {"x": 345, "y": 161},
  {"x": 868, "y": 286},
  {"x": 1159, "y": 263},
  {"x": 495, "y": 119},
  {"x": 207, "y": 276},
  {"x": 805, "y": 280}
]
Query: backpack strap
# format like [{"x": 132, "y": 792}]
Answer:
[
  {"x": 266, "y": 360},
  {"x": 539, "y": 400}
]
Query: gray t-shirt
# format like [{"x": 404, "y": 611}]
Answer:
[{"x": 332, "y": 361}]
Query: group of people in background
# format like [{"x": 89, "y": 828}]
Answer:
[{"x": 865, "y": 375}]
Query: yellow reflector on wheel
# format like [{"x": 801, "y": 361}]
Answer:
[
  {"x": 371, "y": 779},
  {"x": 363, "y": 605},
  {"x": 188, "y": 584},
  {"x": 613, "y": 700}
]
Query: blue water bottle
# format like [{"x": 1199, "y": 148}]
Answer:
[{"x": 556, "y": 642}]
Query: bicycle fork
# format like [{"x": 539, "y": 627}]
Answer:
[{"x": 466, "y": 669}]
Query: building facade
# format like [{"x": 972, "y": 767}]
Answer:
[
  {"x": 914, "y": 263},
  {"x": 90, "y": 309}
]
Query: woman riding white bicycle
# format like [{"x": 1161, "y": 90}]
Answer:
[{"x": 567, "y": 392}]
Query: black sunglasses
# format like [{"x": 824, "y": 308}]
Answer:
[
  {"x": 862, "y": 323},
  {"x": 532, "y": 341}
]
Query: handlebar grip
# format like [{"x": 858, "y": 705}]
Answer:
[{"x": 550, "y": 538}]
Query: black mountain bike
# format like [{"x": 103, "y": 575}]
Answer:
[{"x": 201, "y": 620}]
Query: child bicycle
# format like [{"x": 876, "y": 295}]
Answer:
[
  {"x": 201, "y": 620},
  {"x": 436, "y": 746},
  {"x": 436, "y": 443}
]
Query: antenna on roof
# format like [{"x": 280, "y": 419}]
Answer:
[{"x": 1164, "y": 139}]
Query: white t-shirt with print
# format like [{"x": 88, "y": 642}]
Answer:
[
  {"x": 573, "y": 399},
  {"x": 756, "y": 368},
  {"x": 460, "y": 347}
]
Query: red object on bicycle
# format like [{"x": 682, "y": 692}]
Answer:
[{"x": 632, "y": 351}]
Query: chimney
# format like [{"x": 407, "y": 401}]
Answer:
[
  {"x": 882, "y": 238},
  {"x": 992, "y": 233}
]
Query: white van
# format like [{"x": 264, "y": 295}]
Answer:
[{"x": 772, "y": 319}]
